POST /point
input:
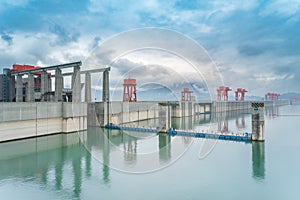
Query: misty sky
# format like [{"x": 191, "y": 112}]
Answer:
[{"x": 254, "y": 44}]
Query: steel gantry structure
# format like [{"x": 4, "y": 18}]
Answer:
[{"x": 25, "y": 88}]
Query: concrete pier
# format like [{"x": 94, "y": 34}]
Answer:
[
  {"x": 44, "y": 85},
  {"x": 76, "y": 85},
  {"x": 19, "y": 89},
  {"x": 59, "y": 83},
  {"x": 88, "y": 84},
  {"x": 258, "y": 122},
  {"x": 105, "y": 88},
  {"x": 49, "y": 84},
  {"x": 164, "y": 116},
  {"x": 30, "y": 88}
]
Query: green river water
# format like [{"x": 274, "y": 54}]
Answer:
[{"x": 102, "y": 164}]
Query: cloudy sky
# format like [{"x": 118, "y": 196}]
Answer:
[{"x": 253, "y": 43}]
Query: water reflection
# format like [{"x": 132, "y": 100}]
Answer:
[
  {"x": 232, "y": 122},
  {"x": 272, "y": 111},
  {"x": 62, "y": 162},
  {"x": 134, "y": 152},
  {"x": 223, "y": 126},
  {"x": 37, "y": 159},
  {"x": 164, "y": 147},
  {"x": 77, "y": 167},
  {"x": 129, "y": 149},
  {"x": 258, "y": 160}
]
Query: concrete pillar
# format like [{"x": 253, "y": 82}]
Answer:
[
  {"x": 105, "y": 88},
  {"x": 19, "y": 89},
  {"x": 30, "y": 88},
  {"x": 182, "y": 109},
  {"x": 106, "y": 118},
  {"x": 105, "y": 96},
  {"x": 12, "y": 91},
  {"x": 76, "y": 85},
  {"x": 49, "y": 84},
  {"x": 88, "y": 97},
  {"x": 207, "y": 108},
  {"x": 44, "y": 85},
  {"x": 164, "y": 116},
  {"x": 258, "y": 122},
  {"x": 58, "y": 85},
  {"x": 191, "y": 109}
]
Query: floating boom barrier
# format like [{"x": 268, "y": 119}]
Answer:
[
  {"x": 245, "y": 137},
  {"x": 126, "y": 128}
]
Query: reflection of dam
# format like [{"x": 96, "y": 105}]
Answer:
[
  {"x": 164, "y": 147},
  {"x": 47, "y": 159},
  {"x": 258, "y": 160},
  {"x": 272, "y": 112},
  {"x": 34, "y": 159}
]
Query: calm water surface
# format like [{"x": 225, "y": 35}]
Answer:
[{"x": 111, "y": 165}]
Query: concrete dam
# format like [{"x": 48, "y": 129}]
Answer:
[
  {"x": 29, "y": 106},
  {"x": 20, "y": 120},
  {"x": 33, "y": 119}
]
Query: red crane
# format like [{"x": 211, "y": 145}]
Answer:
[
  {"x": 129, "y": 92},
  {"x": 272, "y": 96},
  {"x": 242, "y": 91},
  {"x": 186, "y": 95},
  {"x": 223, "y": 93}
]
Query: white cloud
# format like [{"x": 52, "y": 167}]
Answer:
[
  {"x": 226, "y": 8},
  {"x": 129, "y": 5},
  {"x": 285, "y": 8},
  {"x": 15, "y": 2},
  {"x": 103, "y": 19},
  {"x": 268, "y": 71},
  {"x": 273, "y": 77},
  {"x": 36, "y": 49}
]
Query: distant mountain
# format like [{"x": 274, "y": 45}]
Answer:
[
  {"x": 288, "y": 95},
  {"x": 155, "y": 92}
]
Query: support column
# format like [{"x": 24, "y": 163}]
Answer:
[
  {"x": 164, "y": 116},
  {"x": 76, "y": 85},
  {"x": 105, "y": 96},
  {"x": 105, "y": 88},
  {"x": 12, "y": 91},
  {"x": 19, "y": 89},
  {"x": 258, "y": 122},
  {"x": 44, "y": 85},
  {"x": 88, "y": 87},
  {"x": 49, "y": 84},
  {"x": 30, "y": 88},
  {"x": 58, "y": 85}
]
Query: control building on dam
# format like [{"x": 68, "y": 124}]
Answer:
[{"x": 30, "y": 106}]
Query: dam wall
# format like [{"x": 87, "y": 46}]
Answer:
[
  {"x": 33, "y": 119},
  {"x": 102, "y": 113},
  {"x": 20, "y": 120},
  {"x": 225, "y": 106}
]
